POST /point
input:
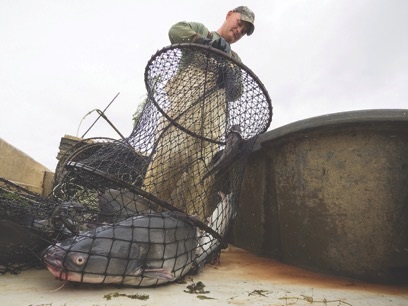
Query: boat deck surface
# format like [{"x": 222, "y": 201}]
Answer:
[{"x": 240, "y": 278}]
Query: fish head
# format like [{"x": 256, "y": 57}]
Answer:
[
  {"x": 94, "y": 260},
  {"x": 67, "y": 266},
  {"x": 233, "y": 138}
]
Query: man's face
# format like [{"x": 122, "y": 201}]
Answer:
[{"x": 234, "y": 28}]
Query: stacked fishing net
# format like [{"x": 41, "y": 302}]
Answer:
[
  {"x": 158, "y": 204},
  {"x": 28, "y": 223}
]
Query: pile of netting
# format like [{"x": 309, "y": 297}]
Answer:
[
  {"x": 28, "y": 223},
  {"x": 152, "y": 207}
]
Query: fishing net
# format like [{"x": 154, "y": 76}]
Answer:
[
  {"x": 157, "y": 205},
  {"x": 28, "y": 223}
]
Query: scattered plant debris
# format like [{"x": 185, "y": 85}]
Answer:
[
  {"x": 311, "y": 300},
  {"x": 259, "y": 292},
  {"x": 203, "y": 297},
  {"x": 136, "y": 296},
  {"x": 196, "y": 288}
]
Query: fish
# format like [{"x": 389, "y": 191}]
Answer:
[
  {"x": 219, "y": 221},
  {"x": 141, "y": 251},
  {"x": 233, "y": 143},
  {"x": 118, "y": 205}
]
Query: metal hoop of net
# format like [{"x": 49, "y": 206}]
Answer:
[{"x": 157, "y": 205}]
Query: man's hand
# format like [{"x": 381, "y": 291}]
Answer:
[{"x": 219, "y": 43}]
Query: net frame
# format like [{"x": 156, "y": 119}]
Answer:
[{"x": 203, "y": 113}]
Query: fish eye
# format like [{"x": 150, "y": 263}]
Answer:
[{"x": 79, "y": 260}]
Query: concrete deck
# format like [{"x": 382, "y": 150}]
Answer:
[{"x": 241, "y": 278}]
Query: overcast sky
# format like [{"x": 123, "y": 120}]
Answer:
[{"x": 61, "y": 59}]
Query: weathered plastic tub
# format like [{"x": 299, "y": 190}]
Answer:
[{"x": 330, "y": 194}]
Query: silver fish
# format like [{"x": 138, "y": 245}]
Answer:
[
  {"x": 232, "y": 145},
  {"x": 118, "y": 205},
  {"x": 144, "y": 250},
  {"x": 219, "y": 221}
]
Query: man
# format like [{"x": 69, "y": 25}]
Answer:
[
  {"x": 198, "y": 100},
  {"x": 238, "y": 22}
]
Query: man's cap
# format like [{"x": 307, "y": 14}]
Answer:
[{"x": 248, "y": 16}]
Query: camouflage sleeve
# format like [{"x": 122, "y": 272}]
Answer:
[{"x": 183, "y": 32}]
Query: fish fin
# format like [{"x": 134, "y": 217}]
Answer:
[{"x": 158, "y": 274}]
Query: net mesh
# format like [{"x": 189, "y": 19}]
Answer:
[
  {"x": 157, "y": 205},
  {"x": 28, "y": 222}
]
